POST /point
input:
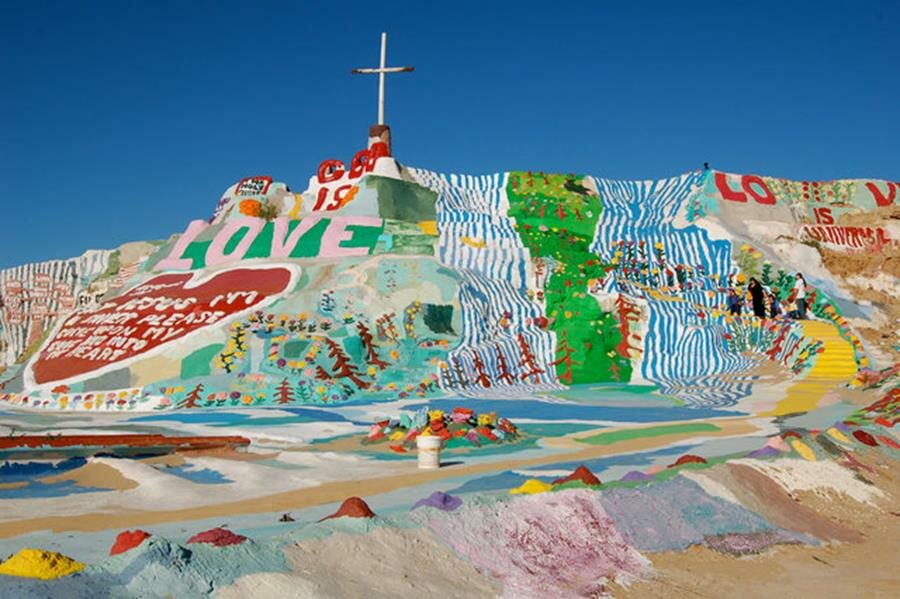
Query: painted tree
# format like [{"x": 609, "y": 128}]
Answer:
[
  {"x": 372, "y": 357},
  {"x": 482, "y": 377},
  {"x": 343, "y": 365},
  {"x": 565, "y": 359},
  {"x": 614, "y": 369},
  {"x": 321, "y": 374},
  {"x": 461, "y": 379},
  {"x": 190, "y": 400},
  {"x": 386, "y": 328},
  {"x": 528, "y": 362},
  {"x": 447, "y": 378},
  {"x": 283, "y": 392},
  {"x": 303, "y": 391},
  {"x": 505, "y": 375},
  {"x": 627, "y": 313}
]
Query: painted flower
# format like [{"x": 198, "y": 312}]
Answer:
[
  {"x": 250, "y": 207},
  {"x": 487, "y": 419}
]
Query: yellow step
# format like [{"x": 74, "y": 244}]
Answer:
[{"x": 835, "y": 366}]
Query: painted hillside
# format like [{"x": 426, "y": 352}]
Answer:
[{"x": 383, "y": 282}]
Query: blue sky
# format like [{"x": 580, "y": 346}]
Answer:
[{"x": 123, "y": 121}]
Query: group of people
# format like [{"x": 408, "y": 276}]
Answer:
[{"x": 765, "y": 303}]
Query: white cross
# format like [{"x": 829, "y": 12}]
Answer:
[{"x": 381, "y": 70}]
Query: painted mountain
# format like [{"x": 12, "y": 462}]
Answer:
[{"x": 382, "y": 281}]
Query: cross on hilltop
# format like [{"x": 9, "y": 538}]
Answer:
[{"x": 382, "y": 70}]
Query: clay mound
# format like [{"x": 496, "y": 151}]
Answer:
[
  {"x": 636, "y": 475},
  {"x": 37, "y": 563},
  {"x": 764, "y": 452},
  {"x": 219, "y": 537},
  {"x": 439, "y": 500},
  {"x": 583, "y": 474},
  {"x": 687, "y": 458},
  {"x": 128, "y": 539},
  {"x": 353, "y": 507}
]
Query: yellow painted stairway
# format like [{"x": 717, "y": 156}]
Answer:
[{"x": 835, "y": 366}]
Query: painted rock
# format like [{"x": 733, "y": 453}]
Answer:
[
  {"x": 888, "y": 441},
  {"x": 353, "y": 507},
  {"x": 636, "y": 475},
  {"x": 837, "y": 435},
  {"x": 580, "y": 474},
  {"x": 764, "y": 452},
  {"x": 778, "y": 443},
  {"x": 803, "y": 449},
  {"x": 687, "y": 459},
  {"x": 37, "y": 563},
  {"x": 884, "y": 422},
  {"x": 865, "y": 438},
  {"x": 531, "y": 487},
  {"x": 219, "y": 537},
  {"x": 128, "y": 539},
  {"x": 439, "y": 500}
]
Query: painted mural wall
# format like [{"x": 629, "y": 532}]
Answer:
[{"x": 383, "y": 281}]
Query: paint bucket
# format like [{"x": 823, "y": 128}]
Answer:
[{"x": 429, "y": 451}]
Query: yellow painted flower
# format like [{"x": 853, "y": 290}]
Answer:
[
  {"x": 487, "y": 418},
  {"x": 320, "y": 389},
  {"x": 247, "y": 399}
]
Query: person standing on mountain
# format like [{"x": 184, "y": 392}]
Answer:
[
  {"x": 757, "y": 298},
  {"x": 734, "y": 302},
  {"x": 799, "y": 293},
  {"x": 774, "y": 305}
]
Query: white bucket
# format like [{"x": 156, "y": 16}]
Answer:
[{"x": 429, "y": 451}]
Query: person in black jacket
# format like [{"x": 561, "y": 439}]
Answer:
[{"x": 757, "y": 297}]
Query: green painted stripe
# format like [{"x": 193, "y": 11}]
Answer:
[{"x": 650, "y": 431}]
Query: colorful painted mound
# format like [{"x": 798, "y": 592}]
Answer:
[
  {"x": 462, "y": 427},
  {"x": 352, "y": 507},
  {"x": 128, "y": 540},
  {"x": 37, "y": 563},
  {"x": 383, "y": 282}
]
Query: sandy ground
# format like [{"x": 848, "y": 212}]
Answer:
[
  {"x": 388, "y": 562},
  {"x": 330, "y": 492},
  {"x": 867, "y": 567}
]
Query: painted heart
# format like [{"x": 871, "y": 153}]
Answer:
[{"x": 151, "y": 316}]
